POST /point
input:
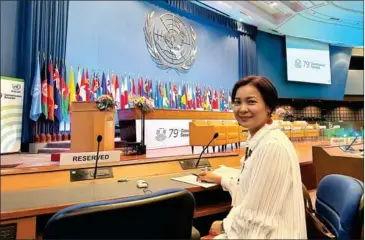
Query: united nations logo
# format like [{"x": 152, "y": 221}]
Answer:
[
  {"x": 16, "y": 86},
  {"x": 298, "y": 63},
  {"x": 171, "y": 44},
  {"x": 161, "y": 134}
]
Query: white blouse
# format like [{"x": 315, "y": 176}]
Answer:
[{"x": 267, "y": 198}]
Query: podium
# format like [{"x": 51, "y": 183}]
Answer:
[{"x": 87, "y": 122}]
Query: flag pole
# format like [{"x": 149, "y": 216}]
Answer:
[{"x": 36, "y": 132}]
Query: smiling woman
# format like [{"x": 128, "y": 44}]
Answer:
[{"x": 269, "y": 172}]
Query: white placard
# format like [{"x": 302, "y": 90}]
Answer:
[
  {"x": 164, "y": 133},
  {"x": 89, "y": 157},
  {"x": 12, "y": 92}
]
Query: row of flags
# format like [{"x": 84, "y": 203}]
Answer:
[{"x": 52, "y": 93}]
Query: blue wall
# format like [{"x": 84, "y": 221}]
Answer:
[
  {"x": 110, "y": 36},
  {"x": 9, "y": 36},
  {"x": 272, "y": 64}
]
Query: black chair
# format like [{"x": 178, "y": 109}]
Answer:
[{"x": 160, "y": 215}]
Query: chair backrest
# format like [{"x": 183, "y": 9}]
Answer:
[
  {"x": 164, "y": 214},
  {"x": 339, "y": 205}
]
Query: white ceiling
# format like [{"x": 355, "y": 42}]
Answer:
[{"x": 337, "y": 22}]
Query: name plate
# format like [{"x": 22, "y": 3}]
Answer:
[{"x": 89, "y": 157}]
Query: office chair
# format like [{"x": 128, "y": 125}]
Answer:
[
  {"x": 340, "y": 205},
  {"x": 164, "y": 214}
]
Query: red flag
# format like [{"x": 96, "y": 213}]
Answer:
[
  {"x": 87, "y": 86},
  {"x": 133, "y": 87}
]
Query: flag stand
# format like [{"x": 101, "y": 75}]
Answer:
[{"x": 36, "y": 138}]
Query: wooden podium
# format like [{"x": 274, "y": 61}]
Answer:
[{"x": 87, "y": 122}]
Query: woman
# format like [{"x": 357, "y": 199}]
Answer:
[{"x": 267, "y": 198}]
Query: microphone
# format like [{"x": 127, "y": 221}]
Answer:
[
  {"x": 98, "y": 139},
  {"x": 352, "y": 142},
  {"x": 214, "y": 137}
]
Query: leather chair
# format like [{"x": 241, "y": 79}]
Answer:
[
  {"x": 242, "y": 134},
  {"x": 311, "y": 131},
  {"x": 232, "y": 135},
  {"x": 297, "y": 130},
  {"x": 340, "y": 205},
  {"x": 160, "y": 215},
  {"x": 221, "y": 140},
  {"x": 200, "y": 133}
]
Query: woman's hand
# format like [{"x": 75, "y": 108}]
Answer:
[
  {"x": 215, "y": 229},
  {"x": 210, "y": 177}
]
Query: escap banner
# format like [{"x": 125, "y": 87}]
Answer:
[{"x": 11, "y": 98}]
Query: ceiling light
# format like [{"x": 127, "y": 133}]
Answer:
[{"x": 273, "y": 4}]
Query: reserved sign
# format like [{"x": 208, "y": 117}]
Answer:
[{"x": 89, "y": 157}]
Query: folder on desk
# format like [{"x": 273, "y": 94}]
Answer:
[{"x": 191, "y": 179}]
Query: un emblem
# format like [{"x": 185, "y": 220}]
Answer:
[
  {"x": 171, "y": 44},
  {"x": 298, "y": 63},
  {"x": 161, "y": 134}
]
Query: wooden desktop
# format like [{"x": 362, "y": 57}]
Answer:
[
  {"x": 332, "y": 160},
  {"x": 28, "y": 194}
]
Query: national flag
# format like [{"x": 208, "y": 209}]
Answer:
[
  {"x": 108, "y": 85},
  {"x": 134, "y": 92},
  {"x": 117, "y": 90},
  {"x": 104, "y": 85},
  {"x": 82, "y": 92},
  {"x": 78, "y": 85},
  {"x": 184, "y": 97},
  {"x": 71, "y": 86},
  {"x": 198, "y": 97},
  {"x": 44, "y": 89},
  {"x": 57, "y": 94},
  {"x": 50, "y": 98},
  {"x": 87, "y": 85},
  {"x": 125, "y": 92},
  {"x": 36, "y": 107},
  {"x": 65, "y": 93},
  {"x": 112, "y": 83},
  {"x": 95, "y": 87}
]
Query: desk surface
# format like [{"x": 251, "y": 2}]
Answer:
[
  {"x": 32, "y": 202},
  {"x": 335, "y": 151}
]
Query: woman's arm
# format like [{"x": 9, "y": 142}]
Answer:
[
  {"x": 228, "y": 183},
  {"x": 257, "y": 215}
]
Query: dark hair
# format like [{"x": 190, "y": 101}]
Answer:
[{"x": 263, "y": 85}]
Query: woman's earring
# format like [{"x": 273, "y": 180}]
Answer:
[{"x": 269, "y": 120}]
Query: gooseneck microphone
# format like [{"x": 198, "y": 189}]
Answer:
[
  {"x": 98, "y": 139},
  {"x": 352, "y": 142},
  {"x": 200, "y": 156}
]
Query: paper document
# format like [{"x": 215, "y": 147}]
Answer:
[
  {"x": 224, "y": 171},
  {"x": 191, "y": 179}
]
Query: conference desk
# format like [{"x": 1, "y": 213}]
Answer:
[
  {"x": 23, "y": 205},
  {"x": 332, "y": 160}
]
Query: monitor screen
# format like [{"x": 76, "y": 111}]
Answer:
[{"x": 308, "y": 61}]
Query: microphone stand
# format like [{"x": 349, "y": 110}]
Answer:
[
  {"x": 97, "y": 155},
  {"x": 214, "y": 137}
]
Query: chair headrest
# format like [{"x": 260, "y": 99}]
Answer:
[{"x": 99, "y": 205}]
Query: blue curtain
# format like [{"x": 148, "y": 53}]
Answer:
[
  {"x": 247, "y": 55},
  {"x": 42, "y": 29},
  {"x": 195, "y": 9}
]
